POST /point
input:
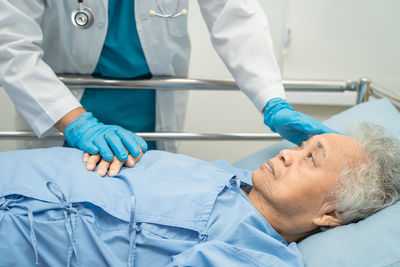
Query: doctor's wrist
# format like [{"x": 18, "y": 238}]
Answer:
[
  {"x": 68, "y": 118},
  {"x": 272, "y": 107}
]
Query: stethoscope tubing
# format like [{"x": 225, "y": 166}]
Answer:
[{"x": 173, "y": 14}]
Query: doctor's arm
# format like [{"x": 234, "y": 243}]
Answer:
[
  {"x": 29, "y": 81},
  {"x": 240, "y": 34},
  {"x": 42, "y": 99}
]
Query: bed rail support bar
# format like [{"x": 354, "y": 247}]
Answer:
[
  {"x": 363, "y": 87},
  {"x": 168, "y": 83},
  {"x": 28, "y": 135},
  {"x": 363, "y": 91}
]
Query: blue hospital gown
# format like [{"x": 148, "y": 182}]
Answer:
[{"x": 169, "y": 210}]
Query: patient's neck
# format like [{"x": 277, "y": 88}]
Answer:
[
  {"x": 244, "y": 191},
  {"x": 285, "y": 226}
]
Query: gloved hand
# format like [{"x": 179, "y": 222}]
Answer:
[
  {"x": 290, "y": 124},
  {"x": 91, "y": 136}
]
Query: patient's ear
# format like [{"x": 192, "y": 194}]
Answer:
[{"x": 327, "y": 216}]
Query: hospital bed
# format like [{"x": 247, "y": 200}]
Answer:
[
  {"x": 374, "y": 241},
  {"x": 363, "y": 87}
]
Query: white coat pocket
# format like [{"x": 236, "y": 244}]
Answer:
[{"x": 177, "y": 21}]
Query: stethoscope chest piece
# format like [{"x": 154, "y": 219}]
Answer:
[{"x": 82, "y": 17}]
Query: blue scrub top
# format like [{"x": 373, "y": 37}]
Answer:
[{"x": 122, "y": 57}]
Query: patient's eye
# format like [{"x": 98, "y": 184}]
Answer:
[{"x": 310, "y": 157}]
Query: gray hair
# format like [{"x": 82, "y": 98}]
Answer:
[{"x": 366, "y": 189}]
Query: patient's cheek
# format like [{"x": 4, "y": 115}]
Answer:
[
  {"x": 255, "y": 175},
  {"x": 260, "y": 180}
]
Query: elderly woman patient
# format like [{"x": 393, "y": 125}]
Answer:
[{"x": 173, "y": 210}]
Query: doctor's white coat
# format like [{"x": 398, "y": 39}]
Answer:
[{"x": 38, "y": 41}]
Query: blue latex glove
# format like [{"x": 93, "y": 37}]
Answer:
[
  {"x": 91, "y": 136},
  {"x": 290, "y": 124}
]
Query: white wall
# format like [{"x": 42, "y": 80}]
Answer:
[
  {"x": 345, "y": 39},
  {"x": 7, "y": 112},
  {"x": 341, "y": 40},
  {"x": 329, "y": 40}
]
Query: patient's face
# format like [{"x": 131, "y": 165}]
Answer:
[{"x": 295, "y": 182}]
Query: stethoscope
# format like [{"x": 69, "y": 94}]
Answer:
[
  {"x": 164, "y": 14},
  {"x": 83, "y": 17}
]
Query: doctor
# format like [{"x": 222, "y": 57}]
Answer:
[{"x": 131, "y": 39}]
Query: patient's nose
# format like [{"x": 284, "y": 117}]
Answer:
[{"x": 286, "y": 156}]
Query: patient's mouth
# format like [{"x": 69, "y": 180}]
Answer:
[
  {"x": 271, "y": 166},
  {"x": 267, "y": 166}
]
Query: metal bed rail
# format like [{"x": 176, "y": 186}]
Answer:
[
  {"x": 363, "y": 87},
  {"x": 168, "y": 83},
  {"x": 379, "y": 92},
  {"x": 29, "y": 135}
]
